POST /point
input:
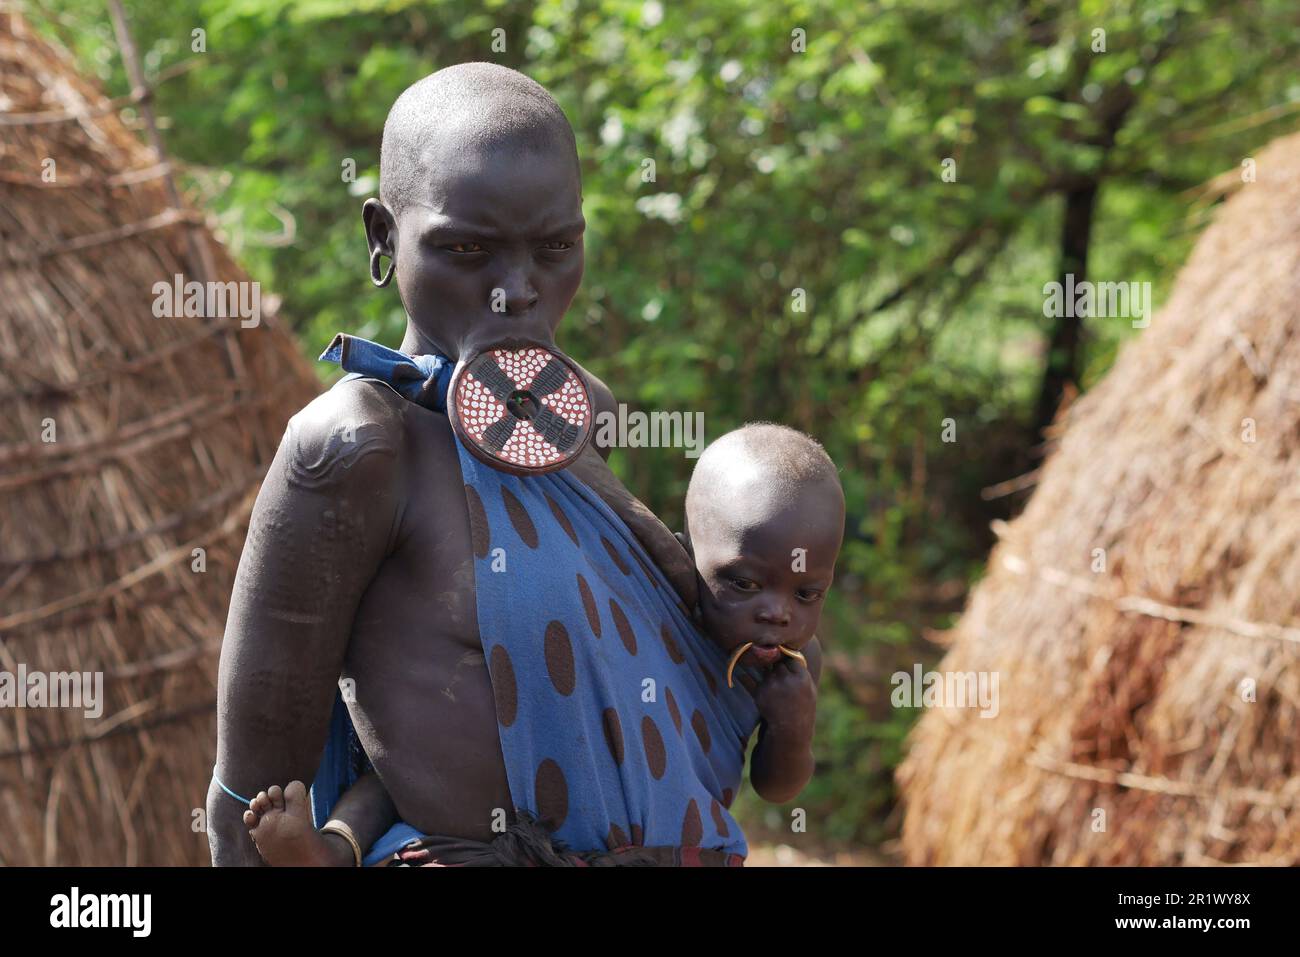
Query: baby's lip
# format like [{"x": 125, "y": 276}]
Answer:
[{"x": 767, "y": 654}]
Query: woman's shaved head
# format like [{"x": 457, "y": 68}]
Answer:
[
  {"x": 464, "y": 109},
  {"x": 480, "y": 210}
]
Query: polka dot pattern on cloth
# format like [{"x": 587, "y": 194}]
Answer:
[
  {"x": 520, "y": 518},
  {"x": 562, "y": 519},
  {"x": 504, "y": 688},
  {"x": 719, "y": 818},
  {"x": 559, "y": 658},
  {"x": 479, "y": 532},
  {"x": 589, "y": 605},
  {"x": 594, "y": 731},
  {"x": 613, "y": 734},
  {"x": 616, "y": 838},
  {"x": 552, "y": 794},
  {"x": 673, "y": 710},
  {"x": 623, "y": 626},
  {"x": 656, "y": 758},
  {"x": 692, "y": 825}
]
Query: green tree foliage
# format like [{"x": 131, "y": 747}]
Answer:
[{"x": 799, "y": 254}]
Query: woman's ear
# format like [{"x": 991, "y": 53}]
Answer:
[{"x": 381, "y": 228}]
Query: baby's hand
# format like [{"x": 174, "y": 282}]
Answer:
[{"x": 787, "y": 698}]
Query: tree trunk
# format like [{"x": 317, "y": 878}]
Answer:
[{"x": 1064, "y": 352}]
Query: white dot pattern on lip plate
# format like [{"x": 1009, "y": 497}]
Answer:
[
  {"x": 478, "y": 408},
  {"x": 522, "y": 366},
  {"x": 569, "y": 401}
]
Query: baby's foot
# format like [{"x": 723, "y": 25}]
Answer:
[{"x": 279, "y": 821}]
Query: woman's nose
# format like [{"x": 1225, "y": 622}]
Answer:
[
  {"x": 516, "y": 294},
  {"x": 521, "y": 301}
]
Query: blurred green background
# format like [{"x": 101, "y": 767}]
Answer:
[{"x": 797, "y": 146}]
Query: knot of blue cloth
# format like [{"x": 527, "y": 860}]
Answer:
[{"x": 423, "y": 379}]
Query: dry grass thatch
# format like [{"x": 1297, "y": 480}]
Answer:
[
  {"x": 164, "y": 428},
  {"x": 1123, "y": 690}
]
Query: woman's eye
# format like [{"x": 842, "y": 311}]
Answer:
[
  {"x": 558, "y": 245},
  {"x": 744, "y": 584},
  {"x": 465, "y": 248},
  {"x": 809, "y": 596}
]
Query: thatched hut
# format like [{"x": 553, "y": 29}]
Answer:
[
  {"x": 1143, "y": 613},
  {"x": 131, "y": 448}
]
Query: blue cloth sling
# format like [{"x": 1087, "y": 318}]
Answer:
[{"x": 615, "y": 720}]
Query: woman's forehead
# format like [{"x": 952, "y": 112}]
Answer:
[{"x": 469, "y": 184}]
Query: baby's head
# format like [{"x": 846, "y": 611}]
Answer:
[
  {"x": 764, "y": 523},
  {"x": 480, "y": 208}
]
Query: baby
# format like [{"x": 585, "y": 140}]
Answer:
[{"x": 764, "y": 525}]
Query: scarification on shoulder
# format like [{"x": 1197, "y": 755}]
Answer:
[{"x": 333, "y": 434}]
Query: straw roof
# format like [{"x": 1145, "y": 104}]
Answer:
[
  {"x": 162, "y": 427},
  {"x": 1148, "y": 711}
]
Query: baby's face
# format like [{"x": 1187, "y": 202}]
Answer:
[
  {"x": 764, "y": 580},
  {"x": 489, "y": 227}
]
